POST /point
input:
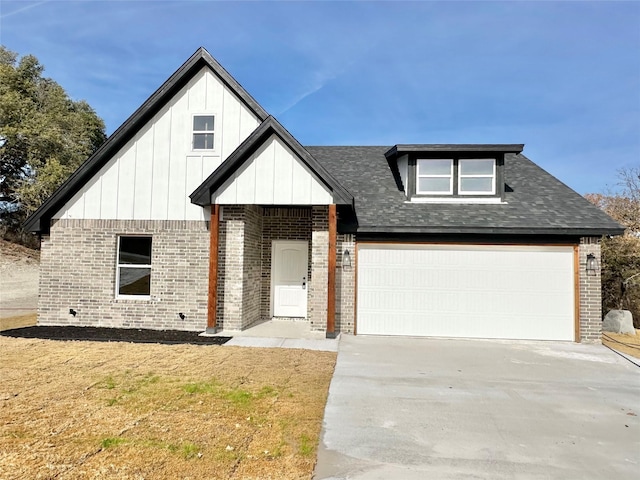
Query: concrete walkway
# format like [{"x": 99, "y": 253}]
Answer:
[
  {"x": 404, "y": 408},
  {"x": 280, "y": 334}
]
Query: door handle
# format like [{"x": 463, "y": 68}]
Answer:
[{"x": 304, "y": 283}]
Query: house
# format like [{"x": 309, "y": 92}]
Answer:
[{"x": 201, "y": 212}]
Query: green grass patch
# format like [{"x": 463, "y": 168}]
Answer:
[
  {"x": 108, "y": 383},
  {"x": 306, "y": 446},
  {"x": 186, "y": 450},
  {"x": 238, "y": 397},
  {"x": 110, "y": 442},
  {"x": 196, "y": 388},
  {"x": 267, "y": 391}
]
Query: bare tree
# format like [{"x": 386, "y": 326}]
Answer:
[{"x": 621, "y": 255}]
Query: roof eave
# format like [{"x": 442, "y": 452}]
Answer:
[
  {"x": 497, "y": 148},
  {"x": 575, "y": 232}
]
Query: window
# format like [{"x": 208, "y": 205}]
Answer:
[
  {"x": 134, "y": 267},
  {"x": 455, "y": 176},
  {"x": 203, "y": 132},
  {"x": 435, "y": 176},
  {"x": 476, "y": 176}
]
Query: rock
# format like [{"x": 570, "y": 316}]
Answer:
[{"x": 619, "y": 321}]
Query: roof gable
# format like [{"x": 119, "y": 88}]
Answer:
[
  {"x": 268, "y": 129},
  {"x": 39, "y": 220}
]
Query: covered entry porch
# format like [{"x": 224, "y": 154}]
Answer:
[
  {"x": 272, "y": 262},
  {"x": 271, "y": 202}
]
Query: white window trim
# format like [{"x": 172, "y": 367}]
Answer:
[
  {"x": 431, "y": 192},
  {"x": 193, "y": 132},
  {"x": 473, "y": 192},
  {"x": 128, "y": 265}
]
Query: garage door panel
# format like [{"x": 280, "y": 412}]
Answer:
[{"x": 466, "y": 291}]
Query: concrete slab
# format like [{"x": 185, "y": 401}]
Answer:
[
  {"x": 276, "y": 329},
  {"x": 280, "y": 334},
  {"x": 327, "y": 345},
  {"x": 407, "y": 408}
]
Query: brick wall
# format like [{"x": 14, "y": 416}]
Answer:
[
  {"x": 345, "y": 285},
  {"x": 590, "y": 293},
  {"x": 252, "y": 265},
  {"x": 230, "y": 268},
  {"x": 78, "y": 270},
  {"x": 317, "y": 306}
]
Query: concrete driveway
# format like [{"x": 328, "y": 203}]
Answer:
[{"x": 408, "y": 408}]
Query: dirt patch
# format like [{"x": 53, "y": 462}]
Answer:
[
  {"x": 629, "y": 344},
  {"x": 102, "y": 334},
  {"x": 77, "y": 409},
  {"x": 20, "y": 321}
]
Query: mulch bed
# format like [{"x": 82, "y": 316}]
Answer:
[{"x": 100, "y": 334}]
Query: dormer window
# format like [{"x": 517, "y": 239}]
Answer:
[
  {"x": 455, "y": 176},
  {"x": 451, "y": 173},
  {"x": 203, "y": 132}
]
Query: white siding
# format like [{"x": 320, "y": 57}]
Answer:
[
  {"x": 274, "y": 175},
  {"x": 152, "y": 176},
  {"x": 403, "y": 167},
  {"x": 517, "y": 292}
]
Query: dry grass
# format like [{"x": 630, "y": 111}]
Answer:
[
  {"x": 118, "y": 410},
  {"x": 18, "y": 322},
  {"x": 629, "y": 344}
]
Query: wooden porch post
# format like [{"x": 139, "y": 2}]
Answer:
[
  {"x": 331, "y": 288},
  {"x": 213, "y": 267}
]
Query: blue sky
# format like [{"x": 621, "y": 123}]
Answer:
[{"x": 561, "y": 77}]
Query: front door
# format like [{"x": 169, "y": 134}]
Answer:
[{"x": 289, "y": 282}]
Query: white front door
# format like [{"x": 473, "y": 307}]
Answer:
[{"x": 289, "y": 282}]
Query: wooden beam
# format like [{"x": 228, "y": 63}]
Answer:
[
  {"x": 331, "y": 287},
  {"x": 213, "y": 266}
]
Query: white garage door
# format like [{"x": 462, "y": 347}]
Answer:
[{"x": 518, "y": 292}]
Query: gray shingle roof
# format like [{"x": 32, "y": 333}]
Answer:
[{"x": 538, "y": 203}]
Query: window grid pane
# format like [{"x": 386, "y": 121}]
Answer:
[
  {"x": 134, "y": 281},
  {"x": 434, "y": 184},
  {"x": 203, "y": 123},
  {"x": 203, "y": 141},
  {"x": 476, "y": 184},
  {"x": 434, "y": 167},
  {"x": 476, "y": 167}
]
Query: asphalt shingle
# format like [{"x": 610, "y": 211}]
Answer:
[{"x": 536, "y": 201}]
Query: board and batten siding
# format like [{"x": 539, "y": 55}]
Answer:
[
  {"x": 273, "y": 175},
  {"x": 152, "y": 176}
]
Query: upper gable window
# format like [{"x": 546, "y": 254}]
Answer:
[
  {"x": 455, "y": 176},
  {"x": 203, "y": 135}
]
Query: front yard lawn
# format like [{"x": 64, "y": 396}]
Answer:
[{"x": 78, "y": 409}]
